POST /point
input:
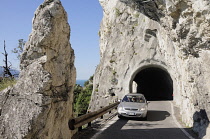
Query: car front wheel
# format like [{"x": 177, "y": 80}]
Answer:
[
  {"x": 119, "y": 116},
  {"x": 144, "y": 118}
]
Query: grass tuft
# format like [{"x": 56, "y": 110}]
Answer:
[{"x": 6, "y": 82}]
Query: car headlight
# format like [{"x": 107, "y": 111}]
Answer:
[
  {"x": 120, "y": 108},
  {"x": 143, "y": 109}
]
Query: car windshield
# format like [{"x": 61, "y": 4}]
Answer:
[{"x": 132, "y": 98}]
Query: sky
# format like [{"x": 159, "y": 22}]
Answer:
[{"x": 84, "y": 17}]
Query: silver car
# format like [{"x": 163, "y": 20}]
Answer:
[{"x": 133, "y": 105}]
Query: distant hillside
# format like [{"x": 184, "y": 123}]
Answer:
[{"x": 13, "y": 71}]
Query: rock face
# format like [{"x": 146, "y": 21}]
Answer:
[
  {"x": 171, "y": 36},
  {"x": 40, "y": 104}
]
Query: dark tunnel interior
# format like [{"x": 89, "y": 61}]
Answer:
[{"x": 155, "y": 84}]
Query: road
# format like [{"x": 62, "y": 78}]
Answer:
[{"x": 161, "y": 124}]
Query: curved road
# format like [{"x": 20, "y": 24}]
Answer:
[{"x": 159, "y": 125}]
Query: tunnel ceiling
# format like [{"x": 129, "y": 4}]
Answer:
[{"x": 155, "y": 84}]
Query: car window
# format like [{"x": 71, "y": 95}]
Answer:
[
  {"x": 125, "y": 99},
  {"x": 132, "y": 98}
]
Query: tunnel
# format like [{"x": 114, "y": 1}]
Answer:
[{"x": 155, "y": 83}]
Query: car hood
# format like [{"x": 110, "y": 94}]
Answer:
[{"x": 132, "y": 105}]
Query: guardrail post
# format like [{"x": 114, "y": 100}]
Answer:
[
  {"x": 89, "y": 124},
  {"x": 80, "y": 128}
]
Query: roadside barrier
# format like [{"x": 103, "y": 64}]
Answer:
[{"x": 87, "y": 118}]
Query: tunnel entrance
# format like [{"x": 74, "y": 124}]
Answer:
[{"x": 154, "y": 83}]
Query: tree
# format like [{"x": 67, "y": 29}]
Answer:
[
  {"x": 82, "y": 96},
  {"x": 83, "y": 101},
  {"x": 19, "y": 49},
  {"x": 77, "y": 90},
  {"x": 6, "y": 67}
]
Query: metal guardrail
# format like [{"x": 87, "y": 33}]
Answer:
[{"x": 87, "y": 118}]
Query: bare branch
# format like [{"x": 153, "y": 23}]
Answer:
[{"x": 6, "y": 67}]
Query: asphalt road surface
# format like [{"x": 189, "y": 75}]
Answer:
[{"x": 161, "y": 124}]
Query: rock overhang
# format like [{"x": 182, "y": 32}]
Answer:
[{"x": 167, "y": 34}]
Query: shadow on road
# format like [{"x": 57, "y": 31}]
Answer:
[
  {"x": 158, "y": 133},
  {"x": 154, "y": 115},
  {"x": 123, "y": 129},
  {"x": 132, "y": 128}
]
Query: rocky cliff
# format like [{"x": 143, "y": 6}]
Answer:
[
  {"x": 170, "y": 38},
  {"x": 40, "y": 104}
]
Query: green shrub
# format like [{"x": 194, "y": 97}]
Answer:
[
  {"x": 136, "y": 15},
  {"x": 91, "y": 78},
  {"x": 117, "y": 12},
  {"x": 112, "y": 61},
  {"x": 99, "y": 33},
  {"x": 96, "y": 90},
  {"x": 86, "y": 83},
  {"x": 77, "y": 90},
  {"x": 83, "y": 101},
  {"x": 82, "y": 96},
  {"x": 114, "y": 72}
]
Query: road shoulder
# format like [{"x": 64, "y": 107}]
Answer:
[
  {"x": 95, "y": 128},
  {"x": 177, "y": 117}
]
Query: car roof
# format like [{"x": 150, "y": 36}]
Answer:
[{"x": 135, "y": 94}]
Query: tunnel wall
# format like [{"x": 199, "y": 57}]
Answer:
[{"x": 166, "y": 34}]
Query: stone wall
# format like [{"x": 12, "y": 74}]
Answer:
[
  {"x": 39, "y": 105},
  {"x": 171, "y": 35}
]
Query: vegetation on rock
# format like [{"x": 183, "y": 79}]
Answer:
[
  {"x": 82, "y": 96},
  {"x": 5, "y": 82},
  {"x": 19, "y": 49}
]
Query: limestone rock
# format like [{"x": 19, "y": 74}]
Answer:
[
  {"x": 170, "y": 35},
  {"x": 40, "y": 104}
]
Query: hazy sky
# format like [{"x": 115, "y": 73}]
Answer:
[{"x": 84, "y": 17}]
